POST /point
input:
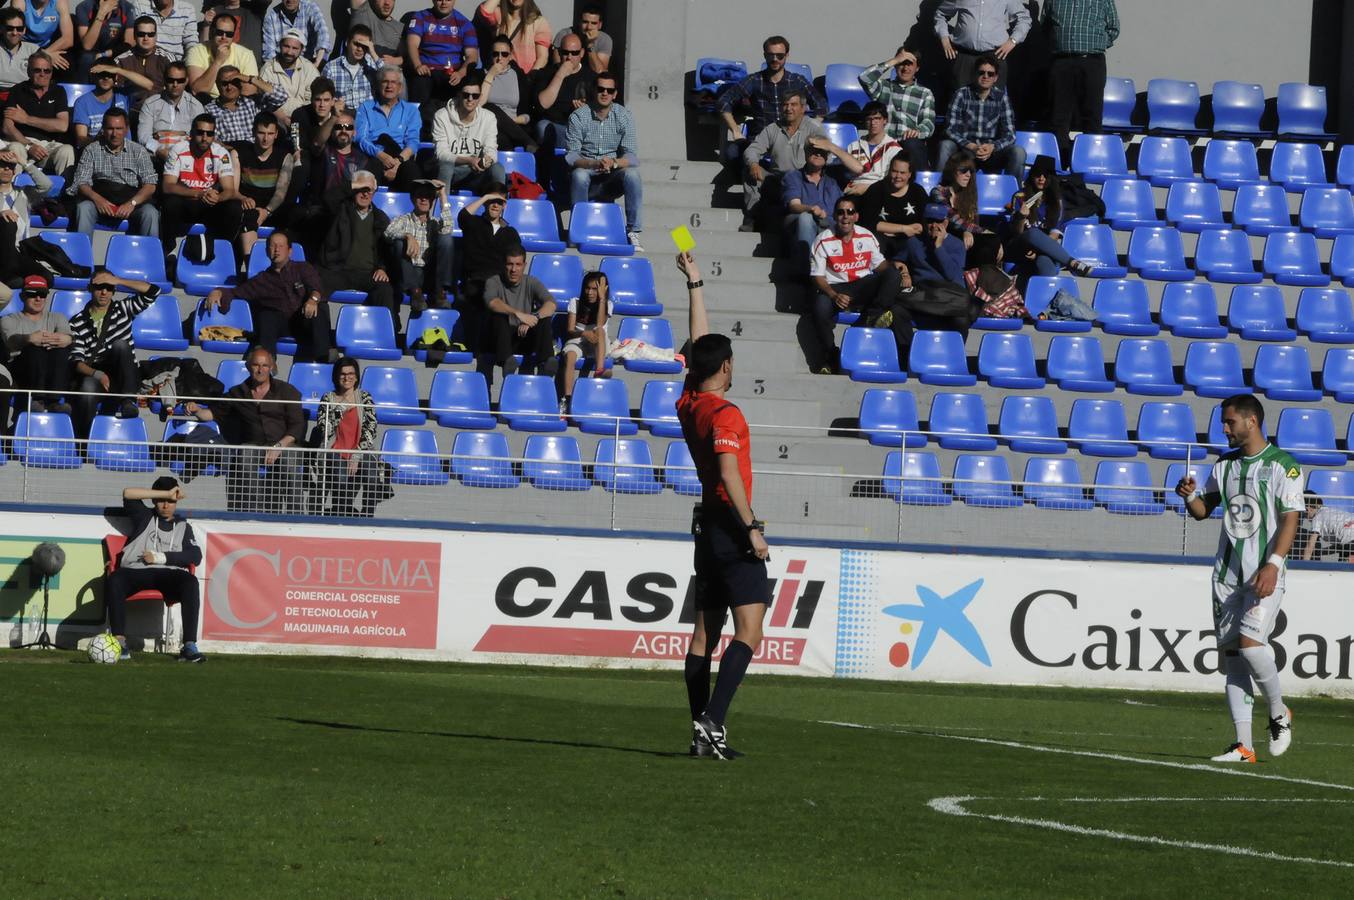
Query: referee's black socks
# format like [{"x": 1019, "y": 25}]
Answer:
[
  {"x": 697, "y": 683},
  {"x": 733, "y": 665}
]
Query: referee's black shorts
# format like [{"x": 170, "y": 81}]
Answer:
[{"x": 727, "y": 573}]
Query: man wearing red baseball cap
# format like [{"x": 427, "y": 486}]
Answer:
[{"x": 37, "y": 342}]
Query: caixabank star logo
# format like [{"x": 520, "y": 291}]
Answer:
[{"x": 936, "y": 614}]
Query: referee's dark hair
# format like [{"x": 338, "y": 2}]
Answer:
[
  {"x": 1247, "y": 405},
  {"x": 708, "y": 353}
]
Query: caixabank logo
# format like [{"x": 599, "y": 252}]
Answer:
[
  {"x": 936, "y": 614},
  {"x": 586, "y": 612}
]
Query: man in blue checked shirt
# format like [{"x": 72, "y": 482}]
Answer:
[
  {"x": 764, "y": 93},
  {"x": 981, "y": 121},
  {"x": 352, "y": 70},
  {"x": 299, "y": 15},
  {"x": 602, "y": 149}
]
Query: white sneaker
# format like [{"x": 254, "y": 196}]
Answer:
[
  {"x": 1280, "y": 733},
  {"x": 633, "y": 237},
  {"x": 1236, "y": 753}
]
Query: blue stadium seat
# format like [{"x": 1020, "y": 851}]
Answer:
[
  {"x": 735, "y": 69},
  {"x": 1121, "y": 99},
  {"x": 656, "y": 332},
  {"x": 799, "y": 69},
  {"x": 841, "y": 82},
  {"x": 1326, "y": 315},
  {"x": 1099, "y": 156},
  {"x": 1007, "y": 361},
  {"x": 1213, "y": 369},
  {"x": 554, "y": 463},
  {"x": 76, "y": 91},
  {"x": 937, "y": 357},
  {"x": 602, "y": 406},
  {"x": 625, "y": 466},
  {"x": 14, "y": 305},
  {"x": 679, "y": 470},
  {"x": 528, "y": 403},
  {"x": 67, "y": 303},
  {"x": 871, "y": 355},
  {"x": 119, "y": 445},
  {"x": 889, "y": 417},
  {"x": 1122, "y": 307},
  {"x": 1230, "y": 164},
  {"x": 1298, "y": 167},
  {"x": 1040, "y": 290},
  {"x": 200, "y": 279},
  {"x": 394, "y": 391},
  {"x": 1030, "y": 425},
  {"x": 1225, "y": 257},
  {"x": 258, "y": 257},
  {"x": 1284, "y": 372},
  {"x": 1337, "y": 374},
  {"x": 81, "y": 252},
  {"x": 231, "y": 372},
  {"x": 45, "y": 441},
  {"x": 1144, "y": 367},
  {"x": 959, "y": 422},
  {"x": 313, "y": 380},
  {"x": 1194, "y": 206},
  {"x": 560, "y": 273},
  {"x": 1344, "y": 166},
  {"x": 1099, "y": 428},
  {"x": 460, "y": 399},
  {"x": 1190, "y": 309},
  {"x": 1157, "y": 254},
  {"x": 448, "y": 320},
  {"x": 994, "y": 192},
  {"x": 599, "y": 228},
  {"x": 139, "y": 257},
  {"x": 1173, "y": 106},
  {"x": 393, "y": 203},
  {"x": 1335, "y": 487},
  {"x": 1077, "y": 363},
  {"x": 1199, "y": 471},
  {"x": 1039, "y": 143},
  {"x": 413, "y": 456},
  {"x": 1053, "y": 484},
  {"x": 482, "y": 459},
  {"x": 1125, "y": 488},
  {"x": 1261, "y": 209},
  {"x": 1342, "y": 259},
  {"x": 160, "y": 327},
  {"x": 1256, "y": 312},
  {"x": 1093, "y": 244},
  {"x": 658, "y": 408},
  {"x": 1291, "y": 258},
  {"x": 1129, "y": 202},
  {"x": 239, "y": 317},
  {"x": 1329, "y": 212},
  {"x": 984, "y": 481},
  {"x": 1309, "y": 436},
  {"x": 366, "y": 332},
  {"x": 840, "y": 133},
  {"x": 1237, "y": 108},
  {"x": 926, "y": 180},
  {"x": 1167, "y": 430},
  {"x": 1302, "y": 110},
  {"x": 914, "y": 478},
  {"x": 536, "y": 222},
  {"x": 1165, "y": 160},
  {"x": 518, "y": 161},
  {"x": 631, "y": 283}
]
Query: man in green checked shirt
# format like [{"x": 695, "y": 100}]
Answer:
[
  {"x": 912, "y": 108},
  {"x": 1080, "y": 31}
]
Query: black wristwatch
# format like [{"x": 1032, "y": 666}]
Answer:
[
  {"x": 692, "y": 285},
  {"x": 757, "y": 525}
]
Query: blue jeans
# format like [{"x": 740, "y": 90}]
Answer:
[
  {"x": 589, "y": 184},
  {"x": 1011, "y": 160},
  {"x": 1050, "y": 256},
  {"x": 434, "y": 274},
  {"x": 801, "y": 229},
  {"x": 456, "y": 176},
  {"x": 145, "y": 219}
]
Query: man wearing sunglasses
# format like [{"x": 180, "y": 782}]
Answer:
[
  {"x": 175, "y": 24},
  {"x": 166, "y": 116},
  {"x": 465, "y": 140},
  {"x": 14, "y": 50},
  {"x": 981, "y": 121},
  {"x": 561, "y": 90},
  {"x": 102, "y": 346},
  {"x": 911, "y": 107},
  {"x": 763, "y": 95},
  {"x": 352, "y": 71},
  {"x": 199, "y": 185},
  {"x": 36, "y": 118},
  {"x": 233, "y": 111},
  {"x": 387, "y": 31},
  {"x": 851, "y": 275},
  {"x": 114, "y": 181},
  {"x": 142, "y": 68},
  {"x": 602, "y": 147},
  {"x": 980, "y": 28},
  {"x": 38, "y": 344},
  {"x": 205, "y": 61}
]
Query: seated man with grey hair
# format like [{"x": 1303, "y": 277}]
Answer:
[
  {"x": 352, "y": 257},
  {"x": 388, "y": 129}
]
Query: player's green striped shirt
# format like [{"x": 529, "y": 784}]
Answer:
[{"x": 1253, "y": 491}]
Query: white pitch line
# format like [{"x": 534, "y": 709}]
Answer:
[
  {"x": 1095, "y": 754},
  {"x": 954, "y": 806}
]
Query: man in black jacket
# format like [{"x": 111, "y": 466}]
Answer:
[
  {"x": 485, "y": 240},
  {"x": 352, "y": 257}
]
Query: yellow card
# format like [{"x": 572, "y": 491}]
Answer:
[{"x": 681, "y": 236}]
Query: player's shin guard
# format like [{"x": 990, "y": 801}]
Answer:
[
  {"x": 1260, "y": 660},
  {"x": 697, "y": 683},
  {"x": 1239, "y": 695},
  {"x": 733, "y": 665}
]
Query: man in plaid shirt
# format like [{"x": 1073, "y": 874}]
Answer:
[
  {"x": 912, "y": 108},
  {"x": 234, "y": 112},
  {"x": 981, "y": 121},
  {"x": 1081, "y": 32},
  {"x": 299, "y": 15},
  {"x": 353, "y": 69},
  {"x": 764, "y": 93}
]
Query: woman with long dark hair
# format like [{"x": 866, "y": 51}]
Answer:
[
  {"x": 1036, "y": 225},
  {"x": 508, "y": 94},
  {"x": 521, "y": 22},
  {"x": 959, "y": 193},
  {"x": 346, "y": 426},
  {"x": 585, "y": 335}
]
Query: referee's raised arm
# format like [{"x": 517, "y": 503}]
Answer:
[{"x": 697, "y": 321}]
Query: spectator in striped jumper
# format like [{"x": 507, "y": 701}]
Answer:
[{"x": 102, "y": 349}]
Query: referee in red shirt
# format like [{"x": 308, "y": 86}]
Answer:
[{"x": 731, "y": 551}]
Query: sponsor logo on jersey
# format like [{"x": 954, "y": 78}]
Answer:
[{"x": 1243, "y": 517}]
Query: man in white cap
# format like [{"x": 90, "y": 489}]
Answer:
[{"x": 289, "y": 70}]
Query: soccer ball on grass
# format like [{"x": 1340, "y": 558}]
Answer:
[{"x": 104, "y": 649}]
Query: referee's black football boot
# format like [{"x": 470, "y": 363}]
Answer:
[{"x": 714, "y": 737}]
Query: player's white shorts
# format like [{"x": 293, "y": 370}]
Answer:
[{"x": 1238, "y": 611}]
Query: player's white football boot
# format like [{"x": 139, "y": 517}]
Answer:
[
  {"x": 1280, "y": 733},
  {"x": 1236, "y": 753}
]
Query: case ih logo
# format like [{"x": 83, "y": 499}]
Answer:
[{"x": 558, "y": 609}]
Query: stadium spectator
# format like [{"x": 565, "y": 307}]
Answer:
[
  {"x": 87, "y": 114},
  {"x": 167, "y": 116},
  {"x": 585, "y": 334},
  {"x": 560, "y": 90},
  {"x": 175, "y": 25},
  {"x": 206, "y": 60},
  {"x": 521, "y": 22},
  {"x": 1330, "y": 526},
  {"x": 199, "y": 184},
  {"x": 160, "y": 550},
  {"x": 233, "y": 111},
  {"x": 982, "y": 122},
  {"x": 114, "y": 181},
  {"x": 38, "y": 348},
  {"x": 851, "y": 275},
  {"x": 1036, "y": 212},
  {"x": 387, "y": 31},
  {"x": 1081, "y": 31},
  {"x": 292, "y": 73},
  {"x": 958, "y": 193},
  {"x": 339, "y": 159},
  {"x": 981, "y": 28},
  {"x": 99, "y": 32},
  {"x": 48, "y": 24},
  {"x": 102, "y": 349},
  {"x": 764, "y": 93},
  {"x": 519, "y": 321},
  {"x": 15, "y": 207},
  {"x": 422, "y": 248},
  {"x": 485, "y": 241},
  {"x": 893, "y": 208},
  {"x": 911, "y": 107},
  {"x": 602, "y": 147},
  {"x": 509, "y": 95},
  {"x": 347, "y": 423},
  {"x": 286, "y": 298},
  {"x": 784, "y": 144},
  {"x": 388, "y": 129},
  {"x": 867, "y": 157},
  {"x": 937, "y": 255},
  {"x": 263, "y": 416},
  {"x": 353, "y": 69},
  {"x": 597, "y": 44},
  {"x": 440, "y": 49},
  {"x": 246, "y": 16},
  {"x": 265, "y": 175},
  {"x": 36, "y": 118},
  {"x": 809, "y": 194},
  {"x": 352, "y": 257},
  {"x": 465, "y": 140},
  {"x": 14, "y": 50},
  {"x": 314, "y": 122},
  {"x": 142, "y": 68},
  {"x": 304, "y": 18}
]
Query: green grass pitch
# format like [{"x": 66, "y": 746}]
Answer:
[{"x": 272, "y": 776}]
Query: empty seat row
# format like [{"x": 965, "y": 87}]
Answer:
[
  {"x": 1196, "y": 206},
  {"x": 1227, "y": 163}
]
